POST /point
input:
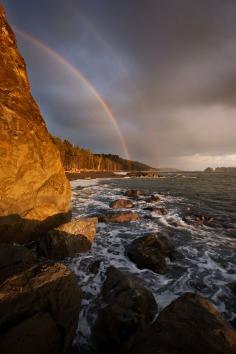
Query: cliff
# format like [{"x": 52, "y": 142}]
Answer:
[
  {"x": 75, "y": 158},
  {"x": 34, "y": 192}
]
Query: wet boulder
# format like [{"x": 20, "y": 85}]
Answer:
[
  {"x": 150, "y": 251},
  {"x": 133, "y": 193},
  {"x": 121, "y": 204},
  {"x": 95, "y": 266},
  {"x": 190, "y": 324},
  {"x": 129, "y": 308},
  {"x": 69, "y": 239},
  {"x": 118, "y": 217},
  {"x": 39, "y": 309},
  {"x": 160, "y": 211},
  {"x": 232, "y": 287},
  {"x": 193, "y": 217},
  {"x": 153, "y": 199}
]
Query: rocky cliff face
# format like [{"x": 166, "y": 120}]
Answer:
[{"x": 34, "y": 192}]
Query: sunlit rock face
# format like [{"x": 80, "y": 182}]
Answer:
[{"x": 34, "y": 192}]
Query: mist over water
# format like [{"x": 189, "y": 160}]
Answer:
[{"x": 205, "y": 260}]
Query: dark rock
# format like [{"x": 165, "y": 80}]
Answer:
[
  {"x": 133, "y": 193},
  {"x": 37, "y": 334},
  {"x": 33, "y": 185},
  {"x": 119, "y": 217},
  {"x": 39, "y": 310},
  {"x": 153, "y": 199},
  {"x": 192, "y": 217},
  {"x": 150, "y": 251},
  {"x": 121, "y": 203},
  {"x": 130, "y": 307},
  {"x": 143, "y": 174},
  {"x": 232, "y": 287},
  {"x": 189, "y": 324},
  {"x": 14, "y": 258},
  {"x": 160, "y": 211},
  {"x": 69, "y": 239},
  {"x": 94, "y": 267}
]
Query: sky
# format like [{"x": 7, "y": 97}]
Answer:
[{"x": 154, "y": 80}]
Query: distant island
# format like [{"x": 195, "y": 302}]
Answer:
[{"x": 221, "y": 169}]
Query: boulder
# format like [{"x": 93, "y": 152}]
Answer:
[
  {"x": 133, "y": 193},
  {"x": 95, "y": 266},
  {"x": 189, "y": 324},
  {"x": 150, "y": 251},
  {"x": 39, "y": 309},
  {"x": 232, "y": 287},
  {"x": 129, "y": 308},
  {"x": 69, "y": 239},
  {"x": 160, "y": 211},
  {"x": 194, "y": 217},
  {"x": 121, "y": 204},
  {"x": 153, "y": 199},
  {"x": 119, "y": 217},
  {"x": 34, "y": 191},
  {"x": 14, "y": 258},
  {"x": 37, "y": 334}
]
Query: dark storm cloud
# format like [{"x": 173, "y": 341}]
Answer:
[{"x": 167, "y": 69}]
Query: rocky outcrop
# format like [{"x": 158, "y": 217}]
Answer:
[
  {"x": 129, "y": 308},
  {"x": 34, "y": 192},
  {"x": 118, "y": 217},
  {"x": 141, "y": 174},
  {"x": 209, "y": 169},
  {"x": 39, "y": 310},
  {"x": 69, "y": 239},
  {"x": 150, "y": 251},
  {"x": 121, "y": 204},
  {"x": 189, "y": 324}
]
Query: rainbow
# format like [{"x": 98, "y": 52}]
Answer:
[
  {"x": 108, "y": 46},
  {"x": 77, "y": 73}
]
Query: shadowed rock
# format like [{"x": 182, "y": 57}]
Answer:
[
  {"x": 153, "y": 199},
  {"x": 33, "y": 185},
  {"x": 121, "y": 203},
  {"x": 39, "y": 310},
  {"x": 160, "y": 211},
  {"x": 201, "y": 220},
  {"x": 133, "y": 193},
  {"x": 150, "y": 251},
  {"x": 69, "y": 239},
  {"x": 189, "y": 324},
  {"x": 130, "y": 307},
  {"x": 14, "y": 259}
]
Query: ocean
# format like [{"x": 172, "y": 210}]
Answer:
[{"x": 205, "y": 254}]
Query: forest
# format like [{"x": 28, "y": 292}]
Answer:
[{"x": 75, "y": 158}]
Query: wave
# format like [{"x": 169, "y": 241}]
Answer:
[{"x": 205, "y": 260}]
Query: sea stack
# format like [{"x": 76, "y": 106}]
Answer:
[{"x": 34, "y": 191}]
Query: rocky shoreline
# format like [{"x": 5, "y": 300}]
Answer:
[{"x": 42, "y": 299}]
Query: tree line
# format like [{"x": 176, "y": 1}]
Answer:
[{"x": 75, "y": 158}]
